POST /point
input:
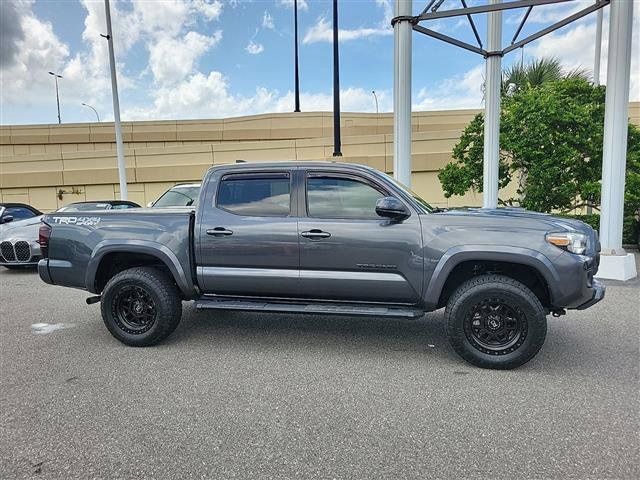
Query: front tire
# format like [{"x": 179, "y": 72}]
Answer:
[
  {"x": 494, "y": 321},
  {"x": 141, "y": 306}
]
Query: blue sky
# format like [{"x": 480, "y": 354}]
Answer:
[{"x": 213, "y": 59}]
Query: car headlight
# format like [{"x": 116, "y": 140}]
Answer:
[{"x": 570, "y": 241}]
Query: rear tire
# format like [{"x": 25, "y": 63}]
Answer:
[
  {"x": 141, "y": 306},
  {"x": 494, "y": 321}
]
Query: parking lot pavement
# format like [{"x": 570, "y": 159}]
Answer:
[{"x": 249, "y": 395}]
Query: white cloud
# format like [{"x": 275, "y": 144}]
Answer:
[
  {"x": 210, "y": 96},
  {"x": 210, "y": 9},
  {"x": 254, "y": 48},
  {"x": 352, "y": 99},
  {"x": 37, "y": 52},
  {"x": 302, "y": 4},
  {"x": 387, "y": 8},
  {"x": 574, "y": 47},
  {"x": 548, "y": 14},
  {"x": 267, "y": 21},
  {"x": 322, "y": 31},
  {"x": 172, "y": 59},
  {"x": 160, "y": 26},
  {"x": 460, "y": 91}
]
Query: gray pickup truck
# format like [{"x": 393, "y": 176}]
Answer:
[{"x": 328, "y": 238}]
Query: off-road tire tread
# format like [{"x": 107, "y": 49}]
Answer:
[
  {"x": 537, "y": 322},
  {"x": 169, "y": 305}
]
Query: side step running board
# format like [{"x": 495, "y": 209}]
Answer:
[{"x": 316, "y": 308}]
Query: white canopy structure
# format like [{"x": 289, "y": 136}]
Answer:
[{"x": 615, "y": 262}]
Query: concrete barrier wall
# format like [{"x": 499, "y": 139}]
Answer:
[{"x": 51, "y": 165}]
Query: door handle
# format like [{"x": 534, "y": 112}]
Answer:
[
  {"x": 219, "y": 232},
  {"x": 315, "y": 234}
]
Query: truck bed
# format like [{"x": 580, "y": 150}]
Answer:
[{"x": 80, "y": 242}]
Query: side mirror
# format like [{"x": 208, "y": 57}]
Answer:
[
  {"x": 391, "y": 207},
  {"x": 7, "y": 219},
  {"x": 150, "y": 204}
]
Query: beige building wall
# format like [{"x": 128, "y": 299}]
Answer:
[{"x": 51, "y": 165}]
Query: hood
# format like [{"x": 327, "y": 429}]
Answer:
[
  {"x": 21, "y": 229},
  {"x": 542, "y": 221}
]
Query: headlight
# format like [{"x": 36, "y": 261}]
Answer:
[{"x": 570, "y": 241}]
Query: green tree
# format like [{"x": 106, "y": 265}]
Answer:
[
  {"x": 551, "y": 144},
  {"x": 536, "y": 73}
]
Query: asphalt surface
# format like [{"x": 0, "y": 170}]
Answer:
[{"x": 250, "y": 395}]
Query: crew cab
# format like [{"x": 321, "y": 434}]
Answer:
[{"x": 328, "y": 238}]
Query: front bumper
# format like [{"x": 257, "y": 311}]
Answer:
[{"x": 598, "y": 294}]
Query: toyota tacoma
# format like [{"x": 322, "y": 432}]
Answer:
[{"x": 328, "y": 238}]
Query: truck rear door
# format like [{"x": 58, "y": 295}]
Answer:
[{"x": 248, "y": 234}]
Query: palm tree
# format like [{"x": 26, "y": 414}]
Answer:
[{"x": 536, "y": 73}]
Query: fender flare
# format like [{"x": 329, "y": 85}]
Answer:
[
  {"x": 146, "y": 247},
  {"x": 501, "y": 253}
]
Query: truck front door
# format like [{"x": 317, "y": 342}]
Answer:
[
  {"x": 247, "y": 241},
  {"x": 347, "y": 251}
]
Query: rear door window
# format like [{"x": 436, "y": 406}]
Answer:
[{"x": 258, "y": 195}]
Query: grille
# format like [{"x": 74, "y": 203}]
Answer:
[
  {"x": 7, "y": 251},
  {"x": 23, "y": 251}
]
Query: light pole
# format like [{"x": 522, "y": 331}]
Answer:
[
  {"x": 94, "y": 111},
  {"x": 296, "y": 75},
  {"x": 377, "y": 116},
  {"x": 337, "y": 152},
  {"x": 56, "y": 76},
  {"x": 122, "y": 171}
]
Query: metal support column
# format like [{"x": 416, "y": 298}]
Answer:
[
  {"x": 122, "y": 172},
  {"x": 492, "y": 109},
  {"x": 402, "y": 30},
  {"x": 598, "y": 48},
  {"x": 615, "y": 263}
]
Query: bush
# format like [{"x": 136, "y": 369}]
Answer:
[{"x": 630, "y": 226}]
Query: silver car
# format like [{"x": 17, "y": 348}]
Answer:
[
  {"x": 181, "y": 195},
  {"x": 19, "y": 247}
]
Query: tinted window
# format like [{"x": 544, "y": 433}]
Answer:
[
  {"x": 122, "y": 206},
  {"x": 255, "y": 196},
  {"x": 19, "y": 213},
  {"x": 85, "y": 207},
  {"x": 179, "y": 197},
  {"x": 335, "y": 197}
]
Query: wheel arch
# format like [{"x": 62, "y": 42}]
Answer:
[
  {"x": 107, "y": 256},
  {"x": 458, "y": 257}
]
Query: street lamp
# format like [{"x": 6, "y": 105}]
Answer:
[
  {"x": 377, "y": 116},
  {"x": 94, "y": 111},
  {"x": 296, "y": 75},
  {"x": 336, "y": 85},
  {"x": 56, "y": 76}
]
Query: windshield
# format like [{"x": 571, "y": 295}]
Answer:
[
  {"x": 428, "y": 208},
  {"x": 179, "y": 197}
]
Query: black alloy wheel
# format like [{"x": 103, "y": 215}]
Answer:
[
  {"x": 495, "y": 327},
  {"x": 134, "y": 309}
]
